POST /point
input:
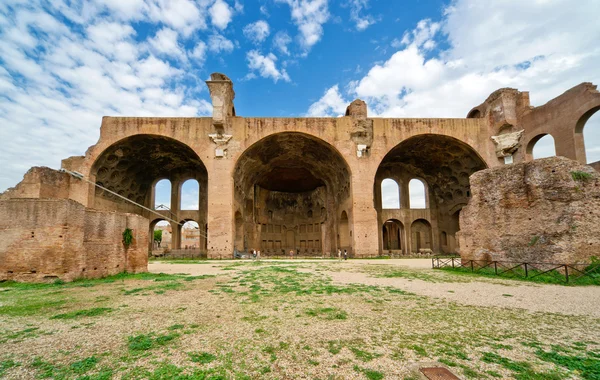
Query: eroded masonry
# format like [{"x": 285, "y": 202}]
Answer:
[{"x": 310, "y": 185}]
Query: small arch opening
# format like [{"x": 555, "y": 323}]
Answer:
[
  {"x": 162, "y": 194},
  {"x": 390, "y": 194},
  {"x": 190, "y": 195},
  {"x": 541, "y": 146},
  {"x": 417, "y": 194}
]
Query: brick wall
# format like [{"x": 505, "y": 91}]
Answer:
[{"x": 46, "y": 239}]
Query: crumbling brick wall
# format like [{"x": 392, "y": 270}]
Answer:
[
  {"x": 539, "y": 211},
  {"x": 47, "y": 239}
]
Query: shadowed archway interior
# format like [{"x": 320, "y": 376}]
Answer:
[
  {"x": 282, "y": 183},
  {"x": 444, "y": 164}
]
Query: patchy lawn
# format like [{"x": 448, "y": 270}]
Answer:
[{"x": 273, "y": 320}]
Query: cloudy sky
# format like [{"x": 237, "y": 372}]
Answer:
[{"x": 66, "y": 63}]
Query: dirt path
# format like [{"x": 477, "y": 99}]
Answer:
[{"x": 580, "y": 300}]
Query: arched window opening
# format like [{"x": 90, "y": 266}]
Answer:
[
  {"x": 416, "y": 189},
  {"x": 390, "y": 194},
  {"x": 310, "y": 214},
  {"x": 392, "y": 235},
  {"x": 444, "y": 239},
  {"x": 190, "y": 235},
  {"x": 161, "y": 238},
  {"x": 162, "y": 194},
  {"x": 543, "y": 147},
  {"x": 190, "y": 195},
  {"x": 420, "y": 236},
  {"x": 591, "y": 137},
  {"x": 474, "y": 114}
]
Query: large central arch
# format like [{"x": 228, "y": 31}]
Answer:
[
  {"x": 291, "y": 190},
  {"x": 131, "y": 167},
  {"x": 443, "y": 164}
]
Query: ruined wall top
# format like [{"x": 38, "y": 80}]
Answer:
[
  {"x": 222, "y": 95},
  {"x": 357, "y": 108}
]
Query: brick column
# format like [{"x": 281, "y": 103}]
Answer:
[{"x": 220, "y": 209}]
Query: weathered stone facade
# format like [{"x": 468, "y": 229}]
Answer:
[
  {"x": 309, "y": 184},
  {"x": 547, "y": 210}
]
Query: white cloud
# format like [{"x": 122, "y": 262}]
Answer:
[
  {"x": 281, "y": 42},
  {"x": 265, "y": 65},
  {"x": 165, "y": 43},
  {"x": 330, "y": 104},
  {"x": 53, "y": 102},
  {"x": 181, "y": 15},
  {"x": 537, "y": 53},
  {"x": 356, "y": 7},
  {"x": 309, "y": 16},
  {"x": 218, "y": 43},
  {"x": 220, "y": 14},
  {"x": 263, "y": 9},
  {"x": 257, "y": 31},
  {"x": 199, "y": 52}
]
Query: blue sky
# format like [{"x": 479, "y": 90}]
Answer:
[{"x": 66, "y": 63}]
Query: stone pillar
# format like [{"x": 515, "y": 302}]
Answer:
[
  {"x": 365, "y": 235},
  {"x": 175, "y": 200},
  {"x": 220, "y": 210}
]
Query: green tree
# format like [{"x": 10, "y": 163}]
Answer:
[{"x": 158, "y": 236}]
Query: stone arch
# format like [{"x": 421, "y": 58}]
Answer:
[
  {"x": 584, "y": 151},
  {"x": 167, "y": 235},
  {"x": 131, "y": 166},
  {"x": 474, "y": 114},
  {"x": 531, "y": 155},
  {"x": 444, "y": 165},
  {"x": 190, "y": 235},
  {"x": 292, "y": 174},
  {"x": 390, "y": 194},
  {"x": 392, "y": 234},
  {"x": 421, "y": 236}
]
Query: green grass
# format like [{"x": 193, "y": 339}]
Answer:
[
  {"x": 5, "y": 365},
  {"x": 83, "y": 313},
  {"x": 369, "y": 373},
  {"x": 85, "y": 365},
  {"x": 201, "y": 357},
  {"x": 145, "y": 342},
  {"x": 581, "y": 176}
]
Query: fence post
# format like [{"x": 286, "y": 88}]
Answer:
[
  {"x": 567, "y": 273},
  {"x": 526, "y": 272},
  {"x": 472, "y": 266},
  {"x": 453, "y": 263},
  {"x": 496, "y": 267}
]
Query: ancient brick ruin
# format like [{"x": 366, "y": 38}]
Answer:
[{"x": 312, "y": 185}]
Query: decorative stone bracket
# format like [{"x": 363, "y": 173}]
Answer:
[
  {"x": 221, "y": 141},
  {"x": 508, "y": 143}
]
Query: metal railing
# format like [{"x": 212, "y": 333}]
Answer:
[{"x": 513, "y": 269}]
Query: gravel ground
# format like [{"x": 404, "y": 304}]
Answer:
[
  {"x": 581, "y": 300},
  {"x": 299, "y": 319}
]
